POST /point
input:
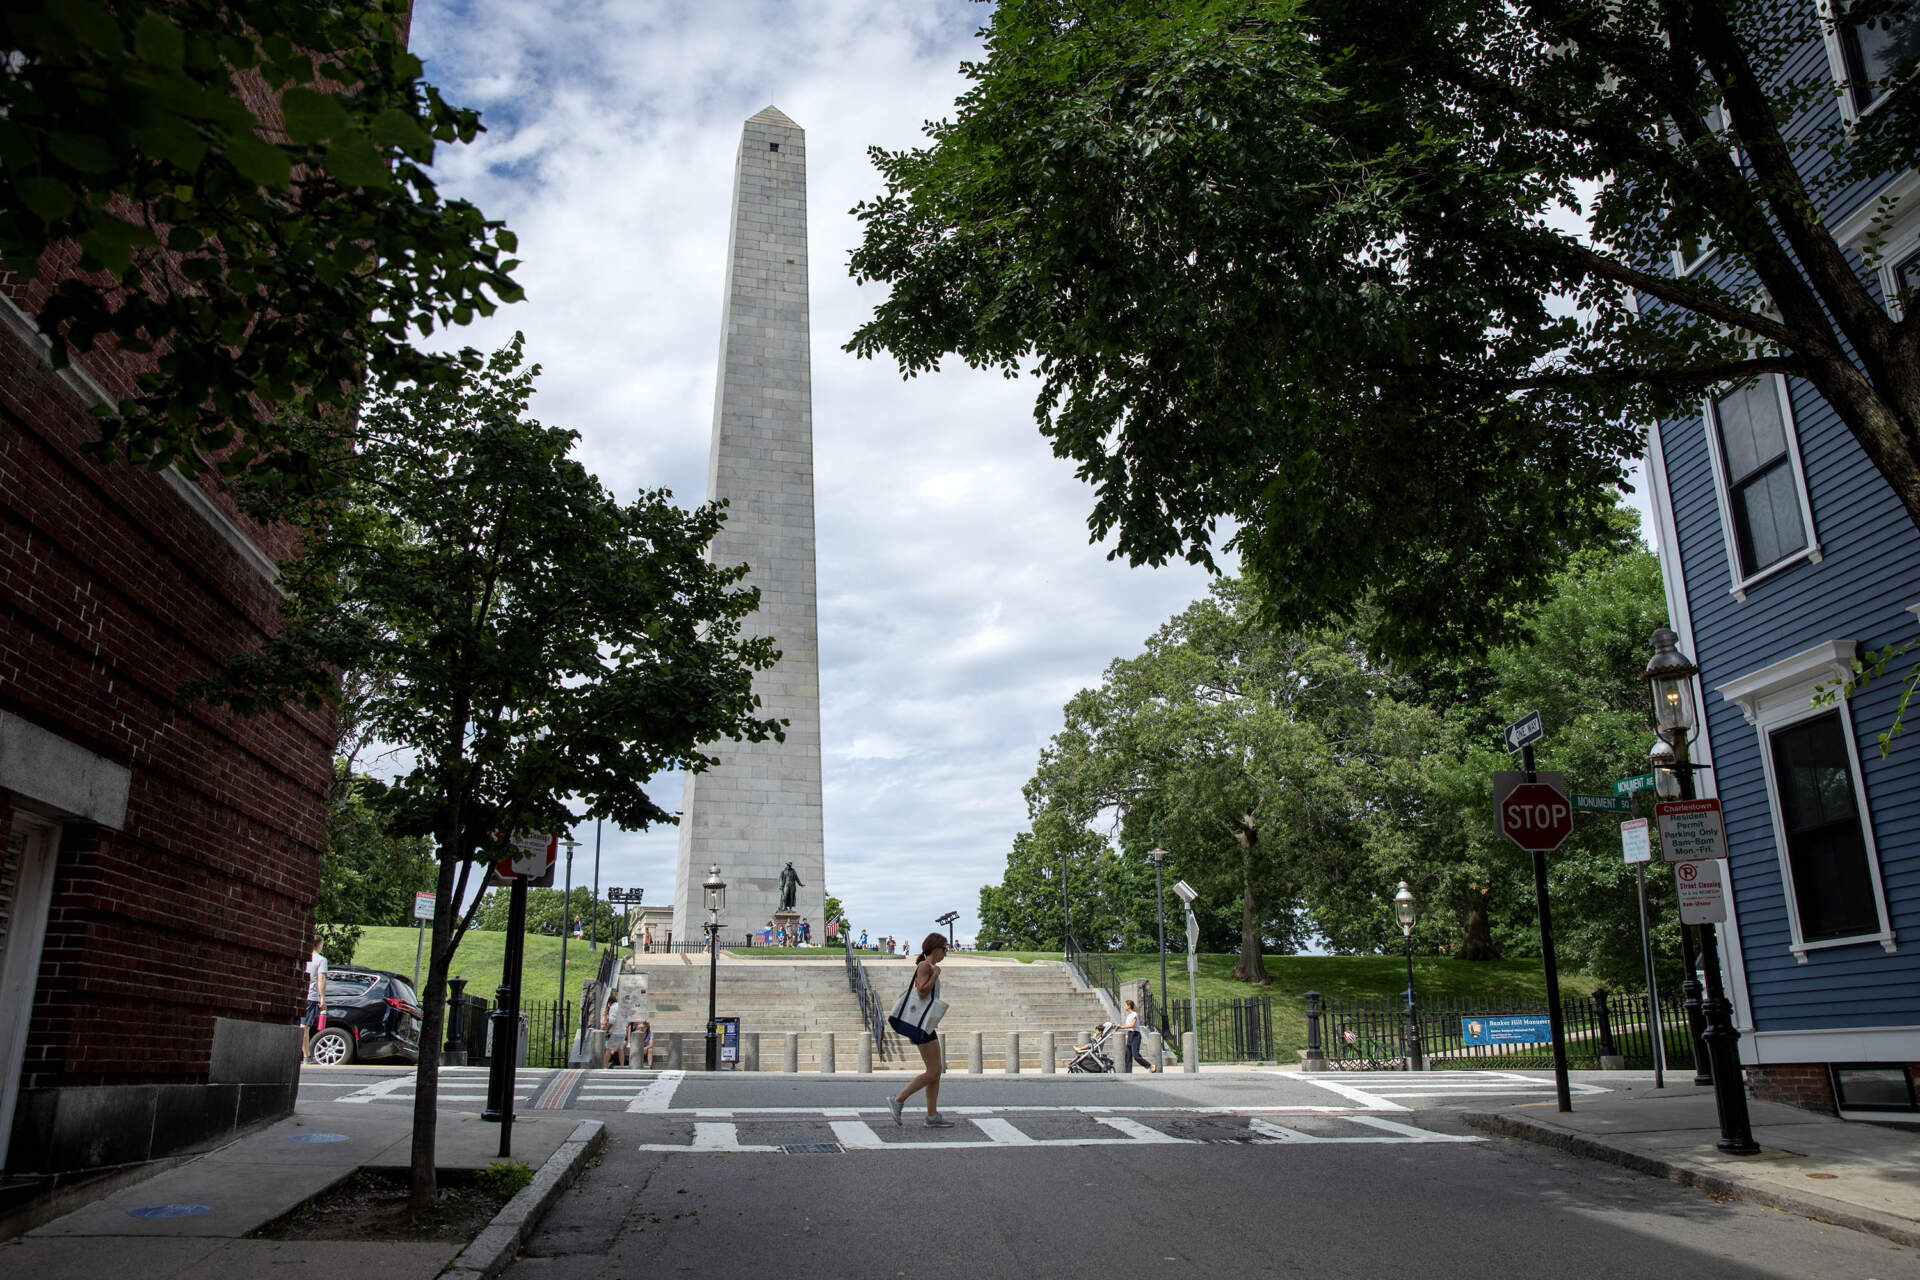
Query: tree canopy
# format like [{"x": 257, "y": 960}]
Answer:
[
  {"x": 1379, "y": 295},
  {"x": 246, "y": 186}
]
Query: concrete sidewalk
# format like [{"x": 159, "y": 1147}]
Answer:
[
  {"x": 194, "y": 1218},
  {"x": 1853, "y": 1174}
]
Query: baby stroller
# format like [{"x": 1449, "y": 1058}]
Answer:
[{"x": 1091, "y": 1058}]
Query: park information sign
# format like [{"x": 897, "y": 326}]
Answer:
[
  {"x": 1691, "y": 830},
  {"x": 1701, "y": 901},
  {"x": 1636, "y": 843},
  {"x": 1507, "y": 1030},
  {"x": 423, "y": 905}
]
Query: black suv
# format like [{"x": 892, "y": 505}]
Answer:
[{"x": 370, "y": 1014}]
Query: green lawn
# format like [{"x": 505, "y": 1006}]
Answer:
[{"x": 479, "y": 960}]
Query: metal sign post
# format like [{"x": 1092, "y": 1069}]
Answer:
[
  {"x": 422, "y": 912},
  {"x": 1530, "y": 817},
  {"x": 1637, "y": 849}
]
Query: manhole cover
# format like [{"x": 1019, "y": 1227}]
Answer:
[{"x": 812, "y": 1148}]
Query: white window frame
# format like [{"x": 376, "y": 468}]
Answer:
[
  {"x": 1780, "y": 696},
  {"x": 1811, "y": 553},
  {"x": 1682, "y": 265},
  {"x": 1850, "y": 112},
  {"x": 1885, "y": 231}
]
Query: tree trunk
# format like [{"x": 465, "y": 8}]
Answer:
[
  {"x": 422, "y": 1185},
  {"x": 1476, "y": 942},
  {"x": 1250, "y": 967}
]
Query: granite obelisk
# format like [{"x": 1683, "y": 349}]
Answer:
[{"x": 759, "y": 809}]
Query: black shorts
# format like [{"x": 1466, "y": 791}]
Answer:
[{"x": 313, "y": 1013}]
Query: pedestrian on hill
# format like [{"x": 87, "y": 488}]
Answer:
[
  {"x": 613, "y": 1022},
  {"x": 916, "y": 1015},
  {"x": 316, "y": 998},
  {"x": 1130, "y": 1024},
  {"x": 646, "y": 939},
  {"x": 863, "y": 940},
  {"x": 806, "y": 932}
]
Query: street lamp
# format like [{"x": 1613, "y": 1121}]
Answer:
[
  {"x": 948, "y": 920},
  {"x": 1159, "y": 856},
  {"x": 1670, "y": 688},
  {"x": 716, "y": 899},
  {"x": 1404, "y": 912},
  {"x": 1666, "y": 785},
  {"x": 566, "y": 913},
  {"x": 1184, "y": 891}
]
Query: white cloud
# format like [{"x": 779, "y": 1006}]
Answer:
[{"x": 960, "y": 602}]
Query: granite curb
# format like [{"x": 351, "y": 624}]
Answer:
[
  {"x": 489, "y": 1253},
  {"x": 1805, "y": 1204}
]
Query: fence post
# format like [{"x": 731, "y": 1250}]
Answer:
[
  {"x": 1316, "y": 1059},
  {"x": 791, "y": 1060},
  {"x": 750, "y": 1051},
  {"x": 1611, "y": 1059},
  {"x": 865, "y": 1059},
  {"x": 826, "y": 1053},
  {"x": 455, "y": 1053},
  {"x": 1156, "y": 1050},
  {"x": 674, "y": 1051},
  {"x": 1046, "y": 1053},
  {"x": 1190, "y": 1051},
  {"x": 1012, "y": 1064},
  {"x": 975, "y": 1054}
]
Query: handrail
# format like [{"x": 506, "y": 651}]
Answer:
[
  {"x": 869, "y": 1001},
  {"x": 1095, "y": 970}
]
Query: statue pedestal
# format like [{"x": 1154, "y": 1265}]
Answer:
[{"x": 790, "y": 920}]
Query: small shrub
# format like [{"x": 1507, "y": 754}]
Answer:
[{"x": 504, "y": 1178}]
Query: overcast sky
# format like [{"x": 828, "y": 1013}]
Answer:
[{"x": 960, "y": 601}]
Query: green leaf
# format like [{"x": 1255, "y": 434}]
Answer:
[
  {"x": 83, "y": 151},
  {"x": 259, "y": 162},
  {"x": 353, "y": 160},
  {"x": 91, "y": 24},
  {"x": 396, "y": 128},
  {"x": 51, "y": 198},
  {"x": 158, "y": 41},
  {"x": 174, "y": 140},
  {"x": 313, "y": 117}
]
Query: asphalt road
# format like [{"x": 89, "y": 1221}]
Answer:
[{"x": 1232, "y": 1174}]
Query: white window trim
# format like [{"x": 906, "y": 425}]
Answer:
[
  {"x": 1885, "y": 231},
  {"x": 1777, "y": 697},
  {"x": 1837, "y": 65},
  {"x": 1810, "y": 553},
  {"x": 1682, "y": 266}
]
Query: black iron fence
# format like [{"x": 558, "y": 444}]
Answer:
[
  {"x": 1233, "y": 1029},
  {"x": 1372, "y": 1033}
]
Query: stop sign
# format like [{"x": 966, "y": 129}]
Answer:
[{"x": 1535, "y": 816}]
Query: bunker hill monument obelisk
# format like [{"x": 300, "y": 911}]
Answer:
[{"x": 759, "y": 809}]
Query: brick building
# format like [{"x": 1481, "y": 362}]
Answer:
[{"x": 158, "y": 861}]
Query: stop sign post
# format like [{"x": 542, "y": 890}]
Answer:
[{"x": 1536, "y": 817}]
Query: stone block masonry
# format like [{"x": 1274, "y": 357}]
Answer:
[{"x": 759, "y": 808}]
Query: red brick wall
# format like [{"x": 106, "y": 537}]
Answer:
[
  {"x": 1799, "y": 1084},
  {"x": 113, "y": 592}
]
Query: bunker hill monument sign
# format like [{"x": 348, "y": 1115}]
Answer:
[{"x": 757, "y": 812}]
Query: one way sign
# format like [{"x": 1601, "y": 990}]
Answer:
[{"x": 1524, "y": 731}]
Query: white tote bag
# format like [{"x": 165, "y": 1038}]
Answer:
[{"x": 916, "y": 1016}]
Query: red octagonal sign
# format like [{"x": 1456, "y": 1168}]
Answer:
[{"x": 1536, "y": 817}]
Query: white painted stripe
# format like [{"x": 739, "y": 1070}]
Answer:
[
  {"x": 1004, "y": 1134},
  {"x": 378, "y": 1090},
  {"x": 1367, "y": 1100},
  {"x": 658, "y": 1095},
  {"x": 1267, "y": 1128},
  {"x": 1137, "y": 1131},
  {"x": 712, "y": 1135},
  {"x": 1407, "y": 1130},
  {"x": 856, "y": 1135}
]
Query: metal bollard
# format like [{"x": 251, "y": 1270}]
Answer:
[
  {"x": 1046, "y": 1053},
  {"x": 750, "y": 1051},
  {"x": 1190, "y": 1050},
  {"x": 674, "y": 1051},
  {"x": 826, "y": 1053},
  {"x": 976, "y": 1053},
  {"x": 1316, "y": 1059},
  {"x": 1013, "y": 1053},
  {"x": 865, "y": 1060},
  {"x": 792, "y": 1061},
  {"x": 1156, "y": 1050}
]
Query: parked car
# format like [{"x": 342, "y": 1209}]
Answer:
[{"x": 370, "y": 1014}]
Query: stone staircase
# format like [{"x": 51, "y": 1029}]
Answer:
[{"x": 773, "y": 997}]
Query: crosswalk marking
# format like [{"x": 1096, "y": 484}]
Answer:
[
  {"x": 1003, "y": 1132},
  {"x": 1137, "y": 1131},
  {"x": 855, "y": 1135}
]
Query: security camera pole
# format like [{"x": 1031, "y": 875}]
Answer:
[{"x": 1187, "y": 895}]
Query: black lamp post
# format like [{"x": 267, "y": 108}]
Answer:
[
  {"x": 566, "y": 916},
  {"x": 1403, "y": 911},
  {"x": 1670, "y": 685},
  {"x": 1159, "y": 856},
  {"x": 1666, "y": 785},
  {"x": 716, "y": 898},
  {"x": 948, "y": 920},
  {"x": 1066, "y": 916}
]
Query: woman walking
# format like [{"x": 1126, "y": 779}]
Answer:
[
  {"x": 916, "y": 1014},
  {"x": 1130, "y": 1023}
]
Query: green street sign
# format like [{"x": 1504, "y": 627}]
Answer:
[
  {"x": 1627, "y": 786},
  {"x": 1602, "y": 804}
]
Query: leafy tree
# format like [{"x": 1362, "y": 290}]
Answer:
[
  {"x": 1383, "y": 287},
  {"x": 368, "y": 875},
  {"x": 539, "y": 644},
  {"x": 549, "y": 911},
  {"x": 833, "y": 912},
  {"x": 246, "y": 183}
]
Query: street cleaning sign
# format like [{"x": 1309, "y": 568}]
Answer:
[
  {"x": 1701, "y": 899},
  {"x": 1691, "y": 830},
  {"x": 1507, "y": 1029},
  {"x": 1636, "y": 842}
]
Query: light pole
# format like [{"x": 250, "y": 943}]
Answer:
[
  {"x": 1184, "y": 891},
  {"x": 948, "y": 920},
  {"x": 1670, "y": 676},
  {"x": 1160, "y": 901},
  {"x": 593, "y": 927},
  {"x": 1403, "y": 911},
  {"x": 566, "y": 914},
  {"x": 716, "y": 898},
  {"x": 1666, "y": 785},
  {"x": 1066, "y": 916}
]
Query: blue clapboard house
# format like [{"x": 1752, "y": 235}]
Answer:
[{"x": 1787, "y": 555}]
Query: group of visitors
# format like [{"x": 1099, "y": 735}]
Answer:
[
  {"x": 788, "y": 933},
  {"x": 625, "y": 1034},
  {"x": 887, "y": 946}
]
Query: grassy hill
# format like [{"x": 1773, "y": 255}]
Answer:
[{"x": 479, "y": 960}]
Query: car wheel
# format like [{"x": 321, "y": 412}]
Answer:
[{"x": 331, "y": 1048}]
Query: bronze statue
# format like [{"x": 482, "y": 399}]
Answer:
[{"x": 789, "y": 887}]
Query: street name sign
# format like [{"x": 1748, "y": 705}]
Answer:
[
  {"x": 1636, "y": 842},
  {"x": 1698, "y": 884},
  {"x": 1524, "y": 731},
  {"x": 1691, "y": 830},
  {"x": 1507, "y": 1029},
  {"x": 1639, "y": 782},
  {"x": 1601, "y": 804},
  {"x": 423, "y": 905},
  {"x": 1535, "y": 816}
]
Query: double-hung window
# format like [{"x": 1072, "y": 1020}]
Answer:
[
  {"x": 1823, "y": 832},
  {"x": 1764, "y": 510},
  {"x": 1867, "y": 52}
]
